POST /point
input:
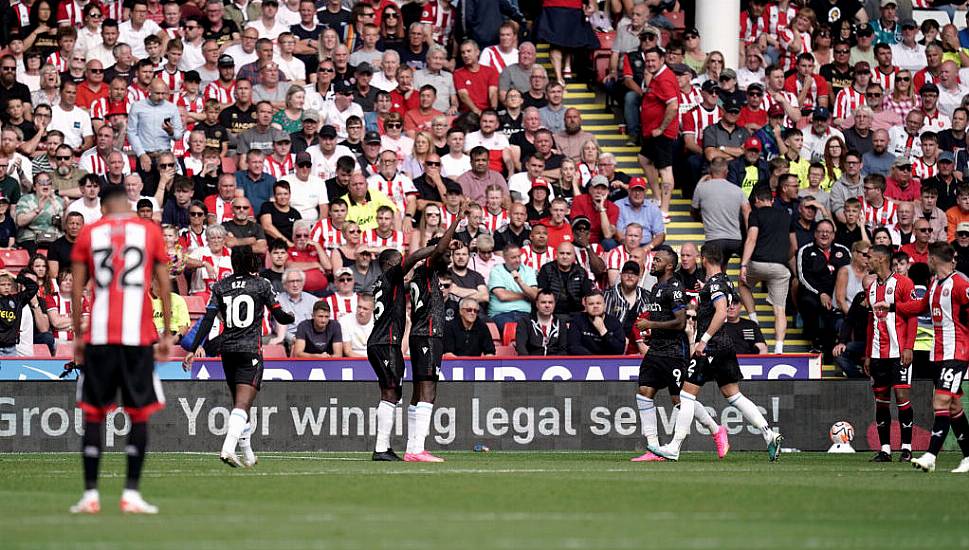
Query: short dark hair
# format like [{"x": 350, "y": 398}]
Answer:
[
  {"x": 942, "y": 251},
  {"x": 321, "y": 305},
  {"x": 881, "y": 249},
  {"x": 712, "y": 253},
  {"x": 281, "y": 184}
]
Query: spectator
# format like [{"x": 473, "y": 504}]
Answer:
[
  {"x": 210, "y": 261},
  {"x": 517, "y": 231},
  {"x": 257, "y": 184},
  {"x": 626, "y": 300},
  {"x": 851, "y": 230},
  {"x": 175, "y": 211},
  {"x": 879, "y": 160},
  {"x": 595, "y": 205},
  {"x": 278, "y": 256},
  {"x": 59, "y": 252},
  {"x": 931, "y": 213},
  {"x": 277, "y": 217},
  {"x": 512, "y": 287},
  {"x": 295, "y": 300},
  {"x": 721, "y": 205},
  {"x": 899, "y": 186},
  {"x": 242, "y": 230},
  {"x": 621, "y": 254},
  {"x": 877, "y": 210},
  {"x": 849, "y": 352},
  {"x": 38, "y": 215},
  {"x": 918, "y": 250},
  {"x": 309, "y": 257},
  {"x": 565, "y": 278},
  {"x": 635, "y": 209},
  {"x": 484, "y": 259},
  {"x": 593, "y": 331},
  {"x": 467, "y": 283},
  {"x": 153, "y": 125},
  {"x": 849, "y": 277},
  {"x": 542, "y": 333},
  {"x": 343, "y": 301},
  {"x": 12, "y": 308},
  {"x": 802, "y": 226},
  {"x": 957, "y": 214},
  {"x": 660, "y": 126},
  {"x": 318, "y": 337},
  {"x": 961, "y": 246},
  {"x": 748, "y": 170},
  {"x": 467, "y": 335},
  {"x": 946, "y": 182},
  {"x": 475, "y": 181},
  {"x": 817, "y": 264},
  {"x": 743, "y": 333},
  {"x": 571, "y": 139},
  {"x": 356, "y": 328},
  {"x": 8, "y": 228},
  {"x": 849, "y": 185}
]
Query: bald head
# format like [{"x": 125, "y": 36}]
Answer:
[{"x": 157, "y": 91}]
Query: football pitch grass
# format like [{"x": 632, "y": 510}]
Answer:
[{"x": 502, "y": 500}]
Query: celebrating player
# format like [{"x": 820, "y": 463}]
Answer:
[
  {"x": 888, "y": 353},
  {"x": 714, "y": 358},
  {"x": 120, "y": 253},
  {"x": 384, "y": 345},
  {"x": 948, "y": 301},
  {"x": 240, "y": 300},
  {"x": 665, "y": 360}
]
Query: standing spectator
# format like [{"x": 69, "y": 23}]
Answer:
[
  {"x": 593, "y": 331},
  {"x": 721, "y": 205},
  {"x": 542, "y": 333},
  {"x": 512, "y": 287},
  {"x": 852, "y": 229},
  {"x": 318, "y": 337},
  {"x": 743, "y": 333},
  {"x": 356, "y": 328},
  {"x": 817, "y": 264},
  {"x": 660, "y": 126},
  {"x": 467, "y": 335},
  {"x": 73, "y": 121}
]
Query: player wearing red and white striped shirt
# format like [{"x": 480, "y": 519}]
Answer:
[
  {"x": 888, "y": 349},
  {"x": 947, "y": 301},
  {"x": 120, "y": 254}
]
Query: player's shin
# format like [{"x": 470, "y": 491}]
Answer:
[
  {"x": 960, "y": 428},
  {"x": 752, "y": 414},
  {"x": 238, "y": 419},
  {"x": 385, "y": 423},
  {"x": 940, "y": 429},
  {"x": 683, "y": 420},
  {"x": 703, "y": 416},
  {"x": 647, "y": 418},
  {"x": 91, "y": 451},
  {"x": 424, "y": 410},
  {"x": 135, "y": 449},
  {"x": 412, "y": 429},
  {"x": 906, "y": 419},
  {"x": 883, "y": 419}
]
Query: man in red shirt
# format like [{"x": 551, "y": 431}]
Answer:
[
  {"x": 753, "y": 115},
  {"x": 476, "y": 84},
  {"x": 559, "y": 228},
  {"x": 918, "y": 250},
  {"x": 602, "y": 213},
  {"x": 660, "y": 125},
  {"x": 811, "y": 90}
]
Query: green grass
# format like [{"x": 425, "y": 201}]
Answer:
[{"x": 514, "y": 501}]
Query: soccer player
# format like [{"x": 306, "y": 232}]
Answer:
[
  {"x": 120, "y": 253},
  {"x": 664, "y": 364},
  {"x": 384, "y": 345},
  {"x": 948, "y": 301},
  {"x": 888, "y": 353},
  {"x": 240, "y": 300},
  {"x": 714, "y": 359}
]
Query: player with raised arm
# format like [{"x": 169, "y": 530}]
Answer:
[
  {"x": 384, "y": 345},
  {"x": 240, "y": 300},
  {"x": 664, "y": 364},
  {"x": 888, "y": 353},
  {"x": 426, "y": 343},
  {"x": 714, "y": 358},
  {"x": 948, "y": 302},
  {"x": 120, "y": 253}
]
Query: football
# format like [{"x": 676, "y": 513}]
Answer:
[{"x": 841, "y": 432}]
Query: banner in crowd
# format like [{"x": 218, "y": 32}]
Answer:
[
  {"x": 518, "y": 369},
  {"x": 301, "y": 416}
]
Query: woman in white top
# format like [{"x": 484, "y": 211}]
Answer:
[{"x": 849, "y": 279}]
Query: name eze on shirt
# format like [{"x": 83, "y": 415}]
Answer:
[{"x": 889, "y": 330}]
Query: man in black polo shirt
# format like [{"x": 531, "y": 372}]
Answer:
[
  {"x": 744, "y": 333},
  {"x": 467, "y": 335},
  {"x": 59, "y": 252},
  {"x": 338, "y": 185},
  {"x": 9, "y": 87},
  {"x": 725, "y": 139}
]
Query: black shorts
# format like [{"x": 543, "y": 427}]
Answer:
[
  {"x": 387, "y": 362},
  {"x": 425, "y": 358},
  {"x": 659, "y": 372},
  {"x": 242, "y": 368},
  {"x": 889, "y": 373},
  {"x": 721, "y": 366},
  {"x": 109, "y": 368},
  {"x": 659, "y": 151},
  {"x": 948, "y": 376}
]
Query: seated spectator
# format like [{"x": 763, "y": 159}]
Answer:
[
  {"x": 589, "y": 255},
  {"x": 175, "y": 210},
  {"x": 59, "y": 311},
  {"x": 899, "y": 186},
  {"x": 318, "y": 337},
  {"x": 278, "y": 256},
  {"x": 878, "y": 210},
  {"x": 849, "y": 277},
  {"x": 954, "y": 215},
  {"x": 356, "y": 328},
  {"x": 242, "y": 230},
  {"x": 750, "y": 169},
  {"x": 565, "y": 278},
  {"x": 620, "y": 255},
  {"x": 277, "y": 217},
  {"x": 467, "y": 283},
  {"x": 37, "y": 213},
  {"x": 309, "y": 257},
  {"x": 946, "y": 182},
  {"x": 484, "y": 258},
  {"x": 429, "y": 226},
  {"x": 636, "y": 209},
  {"x": 12, "y": 307},
  {"x": 849, "y": 352},
  {"x": 744, "y": 333},
  {"x": 343, "y": 302},
  {"x": 817, "y": 264},
  {"x": 602, "y": 213},
  {"x": 803, "y": 224},
  {"x": 851, "y": 230},
  {"x": 467, "y": 335},
  {"x": 211, "y": 262},
  {"x": 8, "y": 228},
  {"x": 512, "y": 287},
  {"x": 473, "y": 227},
  {"x": 879, "y": 160},
  {"x": 296, "y": 301},
  {"x": 542, "y": 333},
  {"x": 592, "y": 331},
  {"x": 59, "y": 252},
  {"x": 517, "y": 231},
  {"x": 918, "y": 250},
  {"x": 626, "y": 299}
]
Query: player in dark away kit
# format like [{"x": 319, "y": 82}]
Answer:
[
  {"x": 714, "y": 359},
  {"x": 239, "y": 301},
  {"x": 664, "y": 364},
  {"x": 427, "y": 331}
]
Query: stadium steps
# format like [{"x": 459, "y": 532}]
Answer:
[{"x": 600, "y": 121}]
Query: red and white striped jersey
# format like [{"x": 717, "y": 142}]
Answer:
[
  {"x": 203, "y": 282},
  {"x": 494, "y": 222},
  {"x": 789, "y": 96},
  {"x": 191, "y": 165},
  {"x": 394, "y": 240},
  {"x": 886, "y": 80},
  {"x": 279, "y": 168},
  {"x": 688, "y": 101},
  {"x": 191, "y": 240},
  {"x": 536, "y": 260},
  {"x": 935, "y": 122},
  {"x": 923, "y": 170},
  {"x": 136, "y": 93},
  {"x": 885, "y": 215},
  {"x": 113, "y": 9},
  {"x": 172, "y": 80},
  {"x": 582, "y": 254},
  {"x": 786, "y": 37},
  {"x": 120, "y": 253},
  {"x": 328, "y": 236},
  {"x": 101, "y": 108},
  {"x": 71, "y": 14},
  {"x": 192, "y": 105},
  {"x": 222, "y": 210},
  {"x": 62, "y": 304},
  {"x": 440, "y": 16},
  {"x": 447, "y": 217},
  {"x": 21, "y": 13},
  {"x": 890, "y": 332},
  {"x": 396, "y": 189},
  {"x": 698, "y": 119},
  {"x": 492, "y": 56},
  {"x": 92, "y": 163},
  {"x": 616, "y": 258},
  {"x": 224, "y": 94},
  {"x": 847, "y": 101},
  {"x": 751, "y": 28},
  {"x": 777, "y": 18},
  {"x": 586, "y": 172},
  {"x": 341, "y": 306},
  {"x": 948, "y": 300},
  {"x": 57, "y": 60}
]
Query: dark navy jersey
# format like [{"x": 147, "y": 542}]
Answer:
[
  {"x": 426, "y": 303},
  {"x": 663, "y": 302},
  {"x": 389, "y": 308},
  {"x": 240, "y": 301},
  {"x": 717, "y": 287}
]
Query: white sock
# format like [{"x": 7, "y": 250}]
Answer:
[
  {"x": 130, "y": 493},
  {"x": 237, "y": 422},
  {"x": 779, "y": 347},
  {"x": 752, "y": 414},
  {"x": 647, "y": 418},
  {"x": 91, "y": 494},
  {"x": 887, "y": 449},
  {"x": 424, "y": 410},
  {"x": 385, "y": 423},
  {"x": 411, "y": 429},
  {"x": 683, "y": 420},
  {"x": 906, "y": 446},
  {"x": 245, "y": 436},
  {"x": 753, "y": 317},
  {"x": 703, "y": 416}
]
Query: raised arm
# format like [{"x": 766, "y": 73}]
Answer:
[{"x": 438, "y": 250}]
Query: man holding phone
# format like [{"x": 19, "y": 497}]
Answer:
[{"x": 153, "y": 125}]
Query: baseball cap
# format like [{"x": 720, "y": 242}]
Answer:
[
  {"x": 371, "y": 137},
  {"x": 908, "y": 23},
  {"x": 341, "y": 270},
  {"x": 681, "y": 68},
  {"x": 193, "y": 76},
  {"x": 282, "y": 137},
  {"x": 364, "y": 68},
  {"x": 631, "y": 267},
  {"x": 732, "y": 103},
  {"x": 727, "y": 74},
  {"x": 451, "y": 186},
  {"x": 963, "y": 226},
  {"x": 311, "y": 114},
  {"x": 3, "y": 198},
  {"x": 637, "y": 183},
  {"x": 710, "y": 86},
  {"x": 755, "y": 86},
  {"x": 775, "y": 110},
  {"x": 820, "y": 113},
  {"x": 865, "y": 30},
  {"x": 303, "y": 157},
  {"x": 649, "y": 30},
  {"x": 885, "y": 3},
  {"x": 946, "y": 156},
  {"x": 328, "y": 131},
  {"x": 753, "y": 143},
  {"x": 598, "y": 180},
  {"x": 540, "y": 182},
  {"x": 581, "y": 220},
  {"x": 862, "y": 67},
  {"x": 901, "y": 162},
  {"x": 226, "y": 60},
  {"x": 929, "y": 88},
  {"x": 342, "y": 87}
]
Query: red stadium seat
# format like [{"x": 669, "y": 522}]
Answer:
[
  {"x": 508, "y": 334},
  {"x": 275, "y": 351},
  {"x": 677, "y": 18},
  {"x": 195, "y": 305},
  {"x": 495, "y": 337},
  {"x": 65, "y": 351},
  {"x": 505, "y": 351},
  {"x": 41, "y": 351},
  {"x": 14, "y": 260}
]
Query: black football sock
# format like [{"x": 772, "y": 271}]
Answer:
[
  {"x": 960, "y": 427},
  {"x": 940, "y": 429},
  {"x": 137, "y": 443},
  {"x": 91, "y": 453},
  {"x": 883, "y": 419},
  {"x": 906, "y": 418}
]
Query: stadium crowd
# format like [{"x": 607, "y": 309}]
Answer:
[{"x": 320, "y": 133}]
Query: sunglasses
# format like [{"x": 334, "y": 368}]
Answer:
[
  {"x": 924, "y": 230},
  {"x": 431, "y": 163},
  {"x": 8, "y": 69},
  {"x": 842, "y": 52},
  {"x": 903, "y": 78},
  {"x": 63, "y": 157},
  {"x": 196, "y": 214},
  {"x": 393, "y": 125},
  {"x": 353, "y": 231},
  {"x": 302, "y": 235},
  {"x": 304, "y": 164},
  {"x": 876, "y": 94},
  {"x": 166, "y": 165},
  {"x": 96, "y": 71},
  {"x": 345, "y": 280},
  {"x": 470, "y": 309},
  {"x": 390, "y": 15},
  {"x": 325, "y": 70},
  {"x": 240, "y": 208},
  {"x": 962, "y": 234}
]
